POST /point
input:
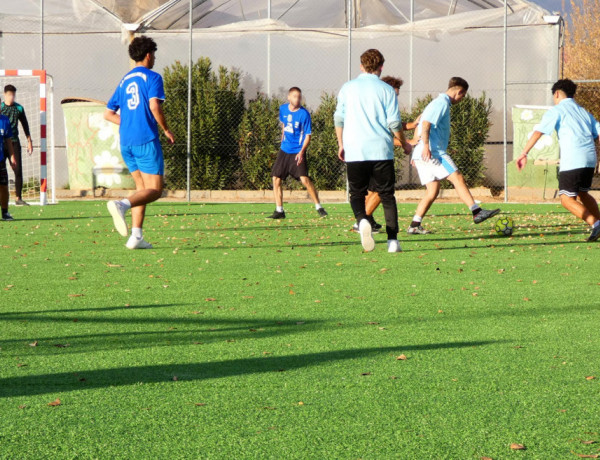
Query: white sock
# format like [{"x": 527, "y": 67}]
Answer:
[
  {"x": 318, "y": 206},
  {"x": 279, "y": 208},
  {"x": 474, "y": 207},
  {"x": 417, "y": 219},
  {"x": 596, "y": 224},
  {"x": 126, "y": 203},
  {"x": 136, "y": 232}
]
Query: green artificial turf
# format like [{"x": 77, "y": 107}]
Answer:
[{"x": 241, "y": 337}]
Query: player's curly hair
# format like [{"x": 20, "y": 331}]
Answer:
[
  {"x": 569, "y": 87},
  {"x": 394, "y": 82},
  {"x": 458, "y": 81},
  {"x": 10, "y": 89},
  {"x": 371, "y": 60},
  {"x": 140, "y": 47}
]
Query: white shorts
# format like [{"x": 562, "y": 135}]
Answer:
[{"x": 435, "y": 169}]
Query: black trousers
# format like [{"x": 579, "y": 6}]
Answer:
[
  {"x": 18, "y": 171},
  {"x": 381, "y": 175}
]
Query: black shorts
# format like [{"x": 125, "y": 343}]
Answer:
[
  {"x": 572, "y": 182},
  {"x": 3, "y": 172},
  {"x": 285, "y": 165}
]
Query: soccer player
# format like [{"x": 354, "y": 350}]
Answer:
[
  {"x": 6, "y": 151},
  {"x": 291, "y": 161},
  {"x": 432, "y": 161},
  {"x": 16, "y": 113},
  {"x": 577, "y": 132},
  {"x": 367, "y": 110},
  {"x": 138, "y": 98},
  {"x": 373, "y": 200}
]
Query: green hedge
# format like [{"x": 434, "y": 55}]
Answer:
[{"x": 234, "y": 143}]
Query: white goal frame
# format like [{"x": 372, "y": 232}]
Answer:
[{"x": 45, "y": 96}]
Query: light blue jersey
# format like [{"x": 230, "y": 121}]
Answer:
[
  {"x": 367, "y": 108},
  {"x": 296, "y": 126},
  {"x": 437, "y": 113},
  {"x": 132, "y": 97},
  {"x": 577, "y": 130}
]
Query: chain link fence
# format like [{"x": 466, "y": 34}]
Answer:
[{"x": 241, "y": 77}]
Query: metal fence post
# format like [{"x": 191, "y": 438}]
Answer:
[
  {"x": 505, "y": 101},
  {"x": 189, "y": 109}
]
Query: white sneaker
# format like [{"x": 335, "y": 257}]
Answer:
[
  {"x": 394, "y": 246},
  {"x": 366, "y": 236},
  {"x": 118, "y": 214},
  {"x": 137, "y": 243}
]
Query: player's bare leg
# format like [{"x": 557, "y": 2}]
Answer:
[
  {"x": 579, "y": 209},
  {"x": 431, "y": 193},
  {"x": 591, "y": 206},
  {"x": 479, "y": 214},
  {"x": 312, "y": 191},
  {"x": 149, "y": 188},
  {"x": 372, "y": 201},
  {"x": 278, "y": 192},
  {"x": 279, "y": 213}
]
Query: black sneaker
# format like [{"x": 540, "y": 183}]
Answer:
[
  {"x": 322, "y": 212},
  {"x": 21, "y": 202},
  {"x": 374, "y": 228},
  {"x": 7, "y": 217},
  {"x": 277, "y": 215},
  {"x": 485, "y": 214},
  {"x": 594, "y": 235}
]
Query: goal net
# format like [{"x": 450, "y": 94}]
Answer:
[{"x": 33, "y": 92}]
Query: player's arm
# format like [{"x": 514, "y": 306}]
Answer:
[
  {"x": 159, "y": 116},
  {"x": 302, "y": 153},
  {"x": 400, "y": 139},
  {"x": 112, "y": 116},
  {"x": 522, "y": 160},
  {"x": 8, "y": 146},
  {"x": 425, "y": 130},
  {"x": 25, "y": 125},
  {"x": 338, "y": 119}
]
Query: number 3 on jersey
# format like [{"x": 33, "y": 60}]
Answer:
[{"x": 134, "y": 92}]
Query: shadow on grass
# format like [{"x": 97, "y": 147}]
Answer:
[{"x": 101, "y": 378}]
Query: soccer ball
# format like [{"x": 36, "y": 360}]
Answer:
[{"x": 504, "y": 226}]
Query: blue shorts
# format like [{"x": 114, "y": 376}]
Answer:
[{"x": 147, "y": 158}]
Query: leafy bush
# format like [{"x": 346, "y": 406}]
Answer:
[
  {"x": 326, "y": 170},
  {"x": 217, "y": 110},
  {"x": 259, "y": 139}
]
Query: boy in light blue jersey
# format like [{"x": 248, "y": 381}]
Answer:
[
  {"x": 296, "y": 130},
  {"x": 431, "y": 158},
  {"x": 367, "y": 119},
  {"x": 138, "y": 99},
  {"x": 577, "y": 131}
]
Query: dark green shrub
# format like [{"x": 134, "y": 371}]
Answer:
[
  {"x": 326, "y": 170},
  {"x": 217, "y": 110},
  {"x": 259, "y": 138}
]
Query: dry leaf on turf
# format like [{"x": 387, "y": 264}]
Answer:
[
  {"x": 401, "y": 358},
  {"x": 588, "y": 442},
  {"x": 590, "y": 377},
  {"x": 586, "y": 455},
  {"x": 33, "y": 344},
  {"x": 516, "y": 446},
  {"x": 54, "y": 403}
]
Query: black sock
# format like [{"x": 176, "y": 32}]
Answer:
[
  {"x": 476, "y": 211},
  {"x": 415, "y": 224},
  {"x": 4, "y": 210}
]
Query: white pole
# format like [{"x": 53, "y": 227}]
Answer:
[
  {"x": 41, "y": 34},
  {"x": 269, "y": 9},
  {"x": 349, "y": 19},
  {"x": 189, "y": 108},
  {"x": 410, "y": 63},
  {"x": 52, "y": 142},
  {"x": 505, "y": 101}
]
